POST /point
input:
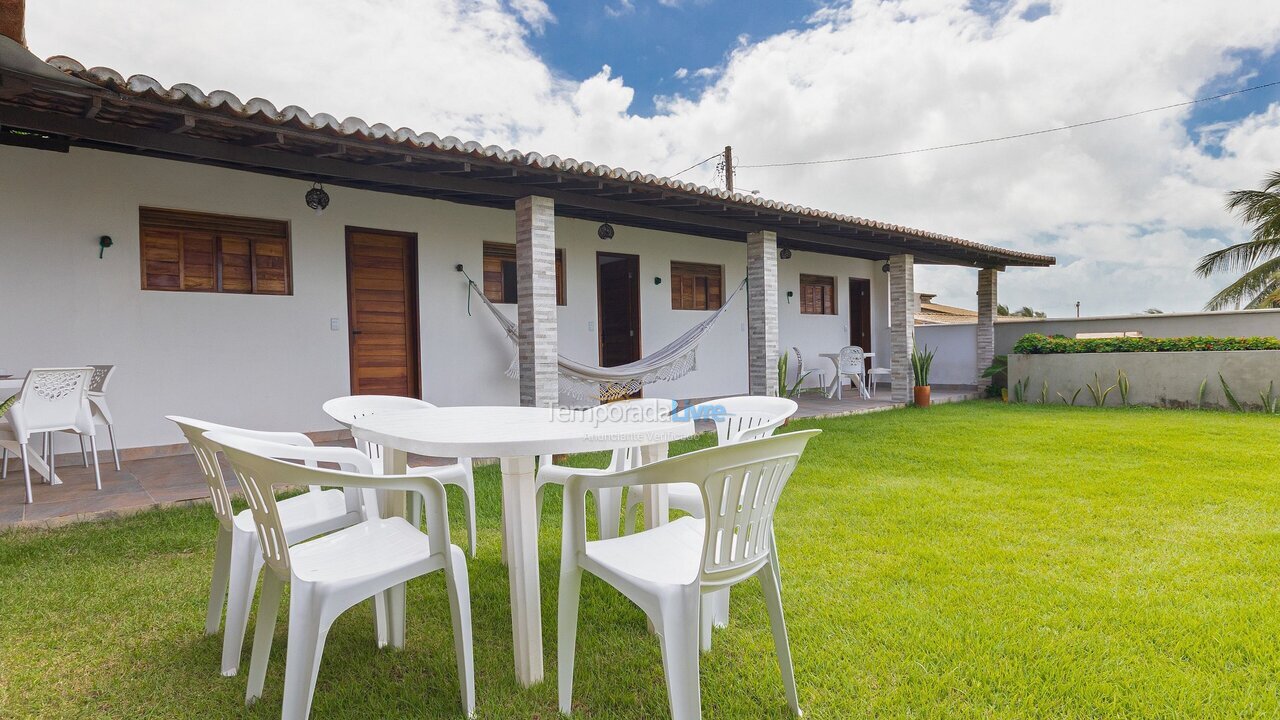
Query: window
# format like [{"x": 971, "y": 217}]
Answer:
[
  {"x": 817, "y": 295},
  {"x": 500, "y": 273},
  {"x": 695, "y": 286},
  {"x": 199, "y": 252}
]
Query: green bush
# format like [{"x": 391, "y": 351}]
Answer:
[{"x": 1037, "y": 344}]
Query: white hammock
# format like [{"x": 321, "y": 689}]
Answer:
[{"x": 586, "y": 382}]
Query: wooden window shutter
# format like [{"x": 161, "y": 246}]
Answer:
[
  {"x": 817, "y": 295},
  {"x": 696, "y": 286},
  {"x": 499, "y": 283},
  {"x": 202, "y": 252},
  {"x": 270, "y": 266}
]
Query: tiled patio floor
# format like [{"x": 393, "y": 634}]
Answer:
[{"x": 157, "y": 482}]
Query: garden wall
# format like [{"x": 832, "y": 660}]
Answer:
[{"x": 1169, "y": 379}]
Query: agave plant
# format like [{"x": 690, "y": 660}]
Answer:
[
  {"x": 1098, "y": 393},
  {"x": 784, "y": 390},
  {"x": 1020, "y": 390},
  {"x": 921, "y": 361},
  {"x": 1122, "y": 384},
  {"x": 1231, "y": 396}
]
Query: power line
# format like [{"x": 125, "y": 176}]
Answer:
[
  {"x": 697, "y": 164},
  {"x": 1006, "y": 137}
]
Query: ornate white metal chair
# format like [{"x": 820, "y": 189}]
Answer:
[
  {"x": 346, "y": 410},
  {"x": 608, "y": 500},
  {"x": 238, "y": 560},
  {"x": 818, "y": 374},
  {"x": 98, "y": 403},
  {"x": 331, "y": 574},
  {"x": 852, "y": 364},
  {"x": 667, "y": 571},
  {"x": 51, "y": 400}
]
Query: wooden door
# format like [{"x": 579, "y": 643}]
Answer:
[
  {"x": 860, "y": 314},
  {"x": 382, "y": 312},
  {"x": 618, "y": 303}
]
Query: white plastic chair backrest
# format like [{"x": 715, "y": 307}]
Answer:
[
  {"x": 745, "y": 417},
  {"x": 852, "y": 359},
  {"x": 53, "y": 399},
  {"x": 101, "y": 376},
  {"x": 740, "y": 484},
  {"x": 260, "y": 464},
  {"x": 207, "y": 457},
  {"x": 346, "y": 410},
  {"x": 799, "y": 361},
  {"x": 633, "y": 410}
]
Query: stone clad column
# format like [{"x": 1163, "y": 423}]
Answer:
[
  {"x": 902, "y": 324},
  {"x": 536, "y": 295},
  {"x": 762, "y": 312},
  {"x": 986, "y": 322}
]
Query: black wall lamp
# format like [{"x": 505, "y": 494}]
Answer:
[
  {"x": 317, "y": 198},
  {"x": 657, "y": 280},
  {"x": 104, "y": 242},
  {"x": 605, "y": 231},
  {"x": 789, "y": 296},
  {"x": 784, "y": 254},
  {"x": 885, "y": 268}
]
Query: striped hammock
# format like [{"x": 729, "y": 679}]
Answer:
[{"x": 590, "y": 382}]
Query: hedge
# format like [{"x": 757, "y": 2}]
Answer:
[{"x": 1037, "y": 344}]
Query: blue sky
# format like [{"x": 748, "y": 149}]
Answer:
[{"x": 646, "y": 42}]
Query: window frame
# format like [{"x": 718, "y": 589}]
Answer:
[
  {"x": 507, "y": 252},
  {"x": 217, "y": 229},
  {"x": 698, "y": 271},
  {"x": 829, "y": 301}
]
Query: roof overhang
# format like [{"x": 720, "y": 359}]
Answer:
[{"x": 100, "y": 109}]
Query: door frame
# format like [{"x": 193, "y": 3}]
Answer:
[
  {"x": 865, "y": 320},
  {"x": 635, "y": 305},
  {"x": 412, "y": 316}
]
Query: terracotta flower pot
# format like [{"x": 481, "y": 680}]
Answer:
[{"x": 922, "y": 395}]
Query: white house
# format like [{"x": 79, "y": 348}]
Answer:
[{"x": 222, "y": 295}]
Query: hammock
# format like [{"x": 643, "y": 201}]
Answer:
[{"x": 587, "y": 382}]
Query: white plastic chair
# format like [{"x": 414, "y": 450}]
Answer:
[
  {"x": 737, "y": 419},
  {"x": 238, "y": 560},
  {"x": 852, "y": 364},
  {"x": 98, "y": 403},
  {"x": 744, "y": 417},
  {"x": 346, "y": 410},
  {"x": 608, "y": 500},
  {"x": 51, "y": 400},
  {"x": 874, "y": 375},
  {"x": 331, "y": 574},
  {"x": 818, "y": 374},
  {"x": 668, "y": 570}
]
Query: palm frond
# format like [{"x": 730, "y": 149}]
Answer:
[
  {"x": 1238, "y": 257},
  {"x": 1254, "y": 286}
]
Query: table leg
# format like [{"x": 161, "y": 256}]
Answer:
[
  {"x": 394, "y": 502},
  {"x": 520, "y": 537},
  {"x": 390, "y": 614},
  {"x": 657, "y": 510}
]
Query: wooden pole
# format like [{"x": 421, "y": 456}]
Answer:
[{"x": 728, "y": 168}]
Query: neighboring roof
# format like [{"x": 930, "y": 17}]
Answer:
[
  {"x": 100, "y": 108},
  {"x": 932, "y": 313}
]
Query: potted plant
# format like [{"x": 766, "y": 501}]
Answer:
[
  {"x": 921, "y": 360},
  {"x": 999, "y": 374}
]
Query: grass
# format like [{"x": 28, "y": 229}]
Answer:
[{"x": 971, "y": 560}]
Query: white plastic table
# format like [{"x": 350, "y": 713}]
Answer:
[
  {"x": 834, "y": 390},
  {"x": 516, "y": 435},
  {"x": 9, "y": 387}
]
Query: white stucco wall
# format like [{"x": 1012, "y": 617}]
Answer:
[
  {"x": 955, "y": 358},
  {"x": 270, "y": 362}
]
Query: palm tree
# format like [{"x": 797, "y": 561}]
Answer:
[
  {"x": 1258, "y": 258},
  {"x": 1024, "y": 311}
]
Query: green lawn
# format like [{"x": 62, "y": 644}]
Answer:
[{"x": 971, "y": 560}]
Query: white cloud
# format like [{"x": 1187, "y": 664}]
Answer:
[
  {"x": 534, "y": 13},
  {"x": 1128, "y": 205},
  {"x": 624, "y": 7},
  {"x": 681, "y": 73}
]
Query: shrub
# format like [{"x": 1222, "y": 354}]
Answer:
[{"x": 1037, "y": 344}]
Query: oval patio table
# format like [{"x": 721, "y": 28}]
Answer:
[{"x": 516, "y": 435}]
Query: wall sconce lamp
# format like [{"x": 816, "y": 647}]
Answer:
[
  {"x": 317, "y": 198},
  {"x": 657, "y": 280},
  {"x": 885, "y": 268},
  {"x": 784, "y": 254},
  {"x": 789, "y": 296},
  {"x": 605, "y": 231},
  {"x": 104, "y": 242}
]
